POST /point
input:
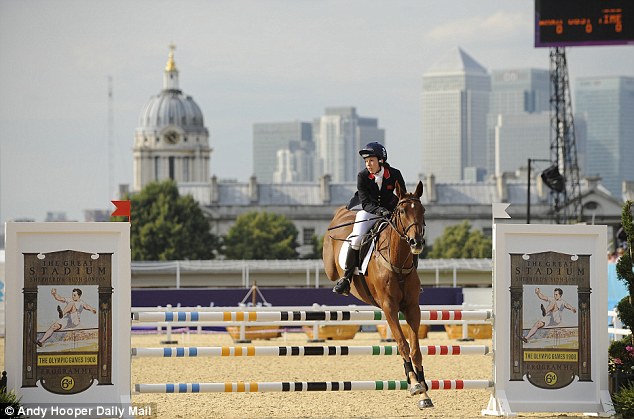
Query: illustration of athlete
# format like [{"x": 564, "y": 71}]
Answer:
[
  {"x": 551, "y": 313},
  {"x": 70, "y": 315}
]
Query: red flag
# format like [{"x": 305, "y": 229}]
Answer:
[{"x": 123, "y": 209}]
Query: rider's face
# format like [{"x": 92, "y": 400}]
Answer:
[
  {"x": 75, "y": 296},
  {"x": 557, "y": 295},
  {"x": 372, "y": 164}
]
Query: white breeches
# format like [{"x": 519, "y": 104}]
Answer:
[{"x": 359, "y": 229}]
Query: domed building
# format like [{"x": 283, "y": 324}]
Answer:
[{"x": 171, "y": 141}]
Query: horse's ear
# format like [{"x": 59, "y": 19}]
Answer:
[
  {"x": 419, "y": 189},
  {"x": 398, "y": 190}
]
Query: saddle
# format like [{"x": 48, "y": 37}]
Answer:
[
  {"x": 368, "y": 243},
  {"x": 367, "y": 246}
]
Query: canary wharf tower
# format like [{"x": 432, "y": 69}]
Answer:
[{"x": 171, "y": 141}]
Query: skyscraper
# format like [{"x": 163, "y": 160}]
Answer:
[
  {"x": 339, "y": 135},
  {"x": 518, "y": 124},
  {"x": 605, "y": 106},
  {"x": 295, "y": 137},
  {"x": 455, "y": 103}
]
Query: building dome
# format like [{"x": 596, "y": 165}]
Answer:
[
  {"x": 171, "y": 140},
  {"x": 171, "y": 107}
]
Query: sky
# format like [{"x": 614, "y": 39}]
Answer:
[{"x": 243, "y": 62}]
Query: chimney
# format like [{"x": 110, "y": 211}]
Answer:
[
  {"x": 430, "y": 188},
  {"x": 253, "y": 189},
  {"x": 627, "y": 190},
  {"x": 592, "y": 182},
  {"x": 501, "y": 186},
  {"x": 542, "y": 189},
  {"x": 215, "y": 194},
  {"x": 324, "y": 189},
  {"x": 124, "y": 190}
]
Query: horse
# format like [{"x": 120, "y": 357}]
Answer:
[{"x": 392, "y": 282}]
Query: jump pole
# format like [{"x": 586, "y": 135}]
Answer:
[
  {"x": 304, "y": 386},
  {"x": 280, "y": 316},
  {"x": 247, "y": 351}
]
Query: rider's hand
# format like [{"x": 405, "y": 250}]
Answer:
[{"x": 383, "y": 212}]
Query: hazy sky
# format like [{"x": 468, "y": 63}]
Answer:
[{"x": 243, "y": 62}]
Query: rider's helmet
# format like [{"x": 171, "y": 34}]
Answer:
[{"x": 374, "y": 149}]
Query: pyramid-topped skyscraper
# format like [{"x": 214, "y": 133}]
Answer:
[{"x": 455, "y": 102}]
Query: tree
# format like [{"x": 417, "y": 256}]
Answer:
[
  {"x": 624, "y": 270},
  {"x": 458, "y": 241},
  {"x": 167, "y": 226},
  {"x": 261, "y": 235},
  {"x": 620, "y": 352}
]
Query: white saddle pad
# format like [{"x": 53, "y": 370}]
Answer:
[{"x": 343, "y": 253}]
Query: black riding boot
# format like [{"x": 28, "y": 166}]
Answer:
[{"x": 352, "y": 260}]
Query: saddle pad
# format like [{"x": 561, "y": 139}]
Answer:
[{"x": 366, "y": 258}]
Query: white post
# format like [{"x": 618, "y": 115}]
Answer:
[
  {"x": 243, "y": 333},
  {"x": 465, "y": 331},
  {"x": 178, "y": 274}
]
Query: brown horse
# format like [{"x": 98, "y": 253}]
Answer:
[{"x": 391, "y": 283}]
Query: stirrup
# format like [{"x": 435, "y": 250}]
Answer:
[{"x": 342, "y": 287}]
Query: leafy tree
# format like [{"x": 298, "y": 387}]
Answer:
[
  {"x": 167, "y": 226},
  {"x": 624, "y": 271},
  {"x": 458, "y": 241},
  {"x": 261, "y": 235}
]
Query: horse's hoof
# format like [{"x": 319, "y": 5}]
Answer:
[
  {"x": 425, "y": 403},
  {"x": 416, "y": 389}
]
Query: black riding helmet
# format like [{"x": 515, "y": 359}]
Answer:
[{"x": 374, "y": 149}]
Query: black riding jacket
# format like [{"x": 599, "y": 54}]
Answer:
[{"x": 369, "y": 195}]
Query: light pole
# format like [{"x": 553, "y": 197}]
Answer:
[{"x": 528, "y": 189}]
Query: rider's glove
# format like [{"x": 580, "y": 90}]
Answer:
[{"x": 383, "y": 212}]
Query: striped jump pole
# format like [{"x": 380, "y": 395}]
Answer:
[
  {"x": 280, "y": 316},
  {"x": 247, "y": 351},
  {"x": 265, "y": 387}
]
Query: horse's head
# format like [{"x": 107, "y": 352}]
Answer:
[{"x": 409, "y": 216}]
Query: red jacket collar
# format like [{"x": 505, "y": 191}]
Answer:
[{"x": 386, "y": 173}]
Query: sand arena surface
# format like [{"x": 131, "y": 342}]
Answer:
[{"x": 360, "y": 404}]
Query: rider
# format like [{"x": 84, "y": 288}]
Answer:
[{"x": 376, "y": 185}]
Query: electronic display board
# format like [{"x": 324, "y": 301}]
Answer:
[{"x": 583, "y": 22}]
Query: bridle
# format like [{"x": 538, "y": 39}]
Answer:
[
  {"x": 398, "y": 216},
  {"x": 395, "y": 221}
]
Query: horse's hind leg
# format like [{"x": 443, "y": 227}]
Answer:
[{"x": 412, "y": 316}]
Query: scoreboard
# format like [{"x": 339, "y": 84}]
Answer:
[{"x": 583, "y": 22}]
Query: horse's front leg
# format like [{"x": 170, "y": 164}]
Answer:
[
  {"x": 412, "y": 316},
  {"x": 404, "y": 348},
  {"x": 391, "y": 315}
]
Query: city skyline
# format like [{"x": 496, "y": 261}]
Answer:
[{"x": 243, "y": 62}]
